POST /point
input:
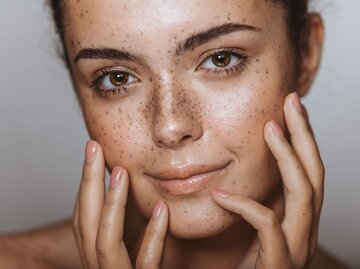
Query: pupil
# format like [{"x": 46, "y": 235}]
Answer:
[
  {"x": 221, "y": 59},
  {"x": 119, "y": 79}
]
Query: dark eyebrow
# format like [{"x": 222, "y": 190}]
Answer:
[
  {"x": 189, "y": 44},
  {"x": 105, "y": 53},
  {"x": 211, "y": 34}
]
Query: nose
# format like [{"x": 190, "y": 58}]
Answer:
[{"x": 177, "y": 121}]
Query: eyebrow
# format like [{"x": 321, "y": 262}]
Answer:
[
  {"x": 106, "y": 53},
  {"x": 190, "y": 43},
  {"x": 213, "y": 33}
]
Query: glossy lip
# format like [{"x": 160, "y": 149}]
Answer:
[{"x": 188, "y": 179}]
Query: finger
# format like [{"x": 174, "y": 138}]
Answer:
[
  {"x": 274, "y": 251},
  {"x": 91, "y": 199},
  {"x": 298, "y": 202},
  {"x": 153, "y": 242},
  {"x": 110, "y": 248},
  {"x": 75, "y": 228},
  {"x": 304, "y": 145}
]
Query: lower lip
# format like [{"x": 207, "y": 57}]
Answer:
[{"x": 189, "y": 185}]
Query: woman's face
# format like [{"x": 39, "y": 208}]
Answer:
[{"x": 177, "y": 93}]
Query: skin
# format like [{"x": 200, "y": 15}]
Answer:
[{"x": 176, "y": 112}]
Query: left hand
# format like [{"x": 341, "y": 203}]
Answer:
[{"x": 291, "y": 243}]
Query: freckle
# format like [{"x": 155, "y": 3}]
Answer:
[
  {"x": 185, "y": 211},
  {"x": 233, "y": 182}
]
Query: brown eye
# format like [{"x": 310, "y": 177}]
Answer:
[
  {"x": 119, "y": 78},
  {"x": 221, "y": 59},
  {"x": 115, "y": 79}
]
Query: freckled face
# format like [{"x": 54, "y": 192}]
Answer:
[{"x": 158, "y": 104}]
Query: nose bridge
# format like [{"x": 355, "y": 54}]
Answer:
[{"x": 174, "y": 123}]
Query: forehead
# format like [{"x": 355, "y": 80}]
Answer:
[{"x": 98, "y": 22}]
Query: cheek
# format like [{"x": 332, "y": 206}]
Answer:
[
  {"x": 238, "y": 125},
  {"x": 120, "y": 130}
]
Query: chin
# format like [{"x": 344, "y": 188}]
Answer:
[{"x": 199, "y": 220}]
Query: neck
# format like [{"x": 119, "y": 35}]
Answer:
[{"x": 236, "y": 247}]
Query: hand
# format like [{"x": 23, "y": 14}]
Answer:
[
  {"x": 98, "y": 221},
  {"x": 291, "y": 243}
]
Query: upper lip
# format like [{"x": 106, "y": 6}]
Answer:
[{"x": 187, "y": 171}]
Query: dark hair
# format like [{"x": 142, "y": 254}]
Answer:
[{"x": 297, "y": 18}]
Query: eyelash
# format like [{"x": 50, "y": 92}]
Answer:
[
  {"x": 223, "y": 71},
  {"x": 220, "y": 72},
  {"x": 107, "y": 93}
]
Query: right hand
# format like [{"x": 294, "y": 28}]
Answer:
[{"x": 98, "y": 220}]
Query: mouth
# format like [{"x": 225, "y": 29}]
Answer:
[{"x": 189, "y": 179}]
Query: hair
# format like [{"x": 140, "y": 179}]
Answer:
[{"x": 297, "y": 19}]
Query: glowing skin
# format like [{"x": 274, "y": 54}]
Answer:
[
  {"x": 176, "y": 114},
  {"x": 221, "y": 118}
]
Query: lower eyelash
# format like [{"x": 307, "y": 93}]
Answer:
[{"x": 109, "y": 92}]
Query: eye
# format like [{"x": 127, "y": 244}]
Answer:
[
  {"x": 222, "y": 60},
  {"x": 114, "y": 79}
]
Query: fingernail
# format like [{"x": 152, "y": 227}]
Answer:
[
  {"x": 115, "y": 177},
  {"x": 297, "y": 102},
  {"x": 157, "y": 209},
  {"x": 276, "y": 129},
  {"x": 221, "y": 193},
  {"x": 91, "y": 149}
]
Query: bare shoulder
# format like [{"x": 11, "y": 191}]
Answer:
[
  {"x": 49, "y": 247},
  {"x": 324, "y": 260}
]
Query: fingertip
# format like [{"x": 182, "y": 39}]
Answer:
[
  {"x": 91, "y": 150},
  {"x": 267, "y": 129},
  {"x": 220, "y": 193},
  {"x": 159, "y": 209}
]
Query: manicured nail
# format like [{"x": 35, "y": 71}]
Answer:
[
  {"x": 91, "y": 149},
  {"x": 276, "y": 129},
  {"x": 221, "y": 193},
  {"x": 115, "y": 177},
  {"x": 157, "y": 209},
  {"x": 297, "y": 102}
]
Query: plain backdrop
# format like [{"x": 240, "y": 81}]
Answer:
[{"x": 43, "y": 135}]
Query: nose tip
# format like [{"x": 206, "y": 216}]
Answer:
[{"x": 176, "y": 132}]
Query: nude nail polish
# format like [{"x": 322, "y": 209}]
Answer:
[
  {"x": 221, "y": 193},
  {"x": 115, "y": 177},
  {"x": 297, "y": 102},
  {"x": 91, "y": 150},
  {"x": 276, "y": 129},
  {"x": 157, "y": 209}
]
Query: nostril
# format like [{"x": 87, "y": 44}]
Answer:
[{"x": 186, "y": 137}]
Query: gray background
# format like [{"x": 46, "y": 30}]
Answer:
[{"x": 43, "y": 136}]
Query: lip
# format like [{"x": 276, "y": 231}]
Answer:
[{"x": 189, "y": 179}]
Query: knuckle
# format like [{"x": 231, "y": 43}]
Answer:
[
  {"x": 143, "y": 263},
  {"x": 81, "y": 232},
  {"x": 270, "y": 219},
  {"x": 101, "y": 249},
  {"x": 152, "y": 233},
  {"x": 307, "y": 194}
]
